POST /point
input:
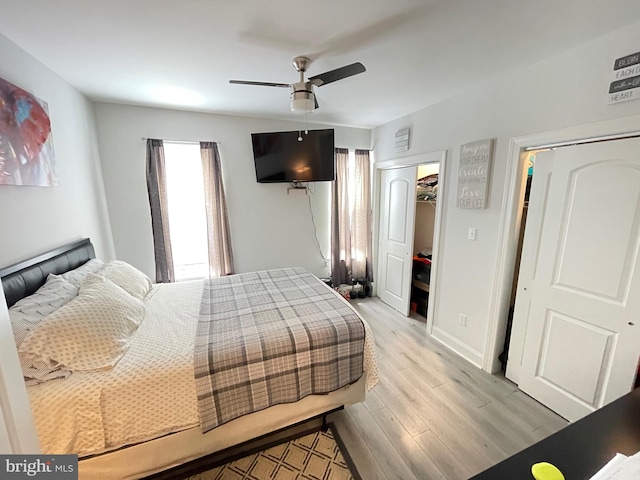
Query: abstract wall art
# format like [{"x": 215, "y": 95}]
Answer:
[{"x": 26, "y": 146}]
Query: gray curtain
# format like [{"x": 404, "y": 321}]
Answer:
[
  {"x": 351, "y": 219},
  {"x": 219, "y": 235},
  {"x": 157, "y": 189},
  {"x": 340, "y": 221}
]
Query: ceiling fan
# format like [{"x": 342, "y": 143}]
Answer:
[{"x": 303, "y": 98}]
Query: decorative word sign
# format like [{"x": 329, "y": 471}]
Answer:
[
  {"x": 473, "y": 174},
  {"x": 625, "y": 79}
]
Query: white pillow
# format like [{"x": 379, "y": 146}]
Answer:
[
  {"x": 89, "y": 333},
  {"x": 127, "y": 277},
  {"x": 27, "y": 312},
  {"x": 78, "y": 275}
]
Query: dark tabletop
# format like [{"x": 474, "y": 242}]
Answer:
[{"x": 582, "y": 448}]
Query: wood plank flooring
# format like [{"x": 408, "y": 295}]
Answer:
[{"x": 434, "y": 415}]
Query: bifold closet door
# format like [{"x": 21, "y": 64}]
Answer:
[{"x": 577, "y": 298}]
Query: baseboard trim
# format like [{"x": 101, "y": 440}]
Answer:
[{"x": 458, "y": 347}]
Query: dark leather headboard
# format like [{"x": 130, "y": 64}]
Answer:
[{"x": 24, "y": 278}]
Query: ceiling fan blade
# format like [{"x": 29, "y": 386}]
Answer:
[
  {"x": 315, "y": 99},
  {"x": 337, "y": 74},
  {"x": 261, "y": 84}
]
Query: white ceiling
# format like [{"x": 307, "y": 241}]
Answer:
[{"x": 182, "y": 53}]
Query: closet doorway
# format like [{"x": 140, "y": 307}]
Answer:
[{"x": 400, "y": 201}]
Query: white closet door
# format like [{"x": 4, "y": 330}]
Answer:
[
  {"x": 578, "y": 294},
  {"x": 397, "y": 223}
]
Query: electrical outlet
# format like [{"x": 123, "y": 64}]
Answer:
[
  {"x": 471, "y": 234},
  {"x": 462, "y": 320}
]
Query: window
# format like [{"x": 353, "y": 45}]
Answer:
[{"x": 187, "y": 218}]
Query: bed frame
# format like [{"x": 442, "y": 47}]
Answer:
[
  {"x": 24, "y": 278},
  {"x": 136, "y": 461}
]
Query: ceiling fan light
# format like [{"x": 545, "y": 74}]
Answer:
[
  {"x": 302, "y": 98},
  {"x": 302, "y": 105}
]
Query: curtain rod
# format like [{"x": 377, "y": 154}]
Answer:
[{"x": 181, "y": 141}]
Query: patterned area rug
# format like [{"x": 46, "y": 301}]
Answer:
[{"x": 316, "y": 456}]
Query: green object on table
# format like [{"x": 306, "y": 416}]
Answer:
[{"x": 546, "y": 471}]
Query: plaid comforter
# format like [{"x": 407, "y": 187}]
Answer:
[{"x": 271, "y": 337}]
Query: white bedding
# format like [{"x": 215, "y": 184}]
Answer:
[{"x": 149, "y": 393}]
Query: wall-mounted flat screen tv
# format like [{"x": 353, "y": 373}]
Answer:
[{"x": 281, "y": 157}]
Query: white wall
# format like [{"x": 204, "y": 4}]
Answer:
[
  {"x": 17, "y": 431},
  {"x": 269, "y": 228},
  {"x": 568, "y": 89},
  {"x": 425, "y": 221},
  {"x": 425, "y": 214},
  {"x": 34, "y": 219}
]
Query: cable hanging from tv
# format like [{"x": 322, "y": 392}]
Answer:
[{"x": 315, "y": 232}]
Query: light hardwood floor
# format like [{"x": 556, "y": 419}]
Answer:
[{"x": 434, "y": 415}]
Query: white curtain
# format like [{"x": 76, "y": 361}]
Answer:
[
  {"x": 361, "y": 232},
  {"x": 351, "y": 218}
]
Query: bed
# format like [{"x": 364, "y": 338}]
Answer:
[{"x": 141, "y": 416}]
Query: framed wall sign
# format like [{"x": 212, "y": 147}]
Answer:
[{"x": 473, "y": 174}]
